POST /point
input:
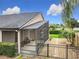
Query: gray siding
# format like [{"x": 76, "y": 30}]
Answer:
[
  {"x": 32, "y": 34},
  {"x": 8, "y": 36}
]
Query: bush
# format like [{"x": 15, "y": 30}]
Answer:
[
  {"x": 70, "y": 36},
  {"x": 7, "y": 49},
  {"x": 55, "y": 32}
]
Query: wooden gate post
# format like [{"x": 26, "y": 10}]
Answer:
[
  {"x": 47, "y": 50},
  {"x": 66, "y": 51}
]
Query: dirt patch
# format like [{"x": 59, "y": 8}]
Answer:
[{"x": 58, "y": 41}]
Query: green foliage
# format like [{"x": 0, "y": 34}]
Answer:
[
  {"x": 55, "y": 26},
  {"x": 76, "y": 30},
  {"x": 7, "y": 49},
  {"x": 54, "y": 31},
  {"x": 67, "y": 13},
  {"x": 52, "y": 27},
  {"x": 71, "y": 23},
  {"x": 69, "y": 36},
  {"x": 55, "y": 36}
]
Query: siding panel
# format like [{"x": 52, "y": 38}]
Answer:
[{"x": 8, "y": 36}]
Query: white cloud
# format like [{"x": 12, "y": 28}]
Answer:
[
  {"x": 14, "y": 10},
  {"x": 55, "y": 9}
]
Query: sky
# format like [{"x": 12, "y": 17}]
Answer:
[{"x": 51, "y": 9}]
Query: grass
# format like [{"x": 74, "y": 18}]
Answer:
[
  {"x": 19, "y": 57},
  {"x": 76, "y": 30},
  {"x": 55, "y": 36}
]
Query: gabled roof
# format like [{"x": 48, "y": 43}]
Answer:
[{"x": 16, "y": 20}]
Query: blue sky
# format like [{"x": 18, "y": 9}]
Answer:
[{"x": 36, "y": 6}]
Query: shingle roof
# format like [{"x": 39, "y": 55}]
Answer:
[{"x": 16, "y": 20}]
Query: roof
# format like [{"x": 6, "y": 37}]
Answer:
[
  {"x": 36, "y": 25},
  {"x": 16, "y": 20}
]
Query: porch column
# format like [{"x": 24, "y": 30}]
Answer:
[
  {"x": 29, "y": 34},
  {"x": 36, "y": 42},
  {"x": 0, "y": 36},
  {"x": 19, "y": 44}
]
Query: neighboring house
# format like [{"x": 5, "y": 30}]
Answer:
[{"x": 23, "y": 28}]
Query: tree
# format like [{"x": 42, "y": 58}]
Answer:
[
  {"x": 67, "y": 15},
  {"x": 72, "y": 23},
  {"x": 52, "y": 27},
  {"x": 68, "y": 6}
]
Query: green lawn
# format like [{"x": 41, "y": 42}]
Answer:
[{"x": 55, "y": 36}]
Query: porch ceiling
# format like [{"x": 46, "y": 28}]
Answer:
[{"x": 35, "y": 26}]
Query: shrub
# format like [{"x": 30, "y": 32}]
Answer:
[
  {"x": 70, "y": 36},
  {"x": 54, "y": 31},
  {"x": 7, "y": 49}
]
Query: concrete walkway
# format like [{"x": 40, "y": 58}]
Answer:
[
  {"x": 29, "y": 49},
  {"x": 30, "y": 46}
]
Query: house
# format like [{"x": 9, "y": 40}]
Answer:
[{"x": 23, "y": 28}]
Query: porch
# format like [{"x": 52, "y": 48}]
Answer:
[
  {"x": 20, "y": 37},
  {"x": 36, "y": 33}
]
